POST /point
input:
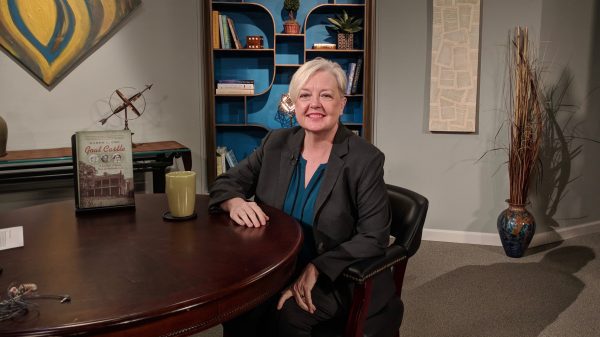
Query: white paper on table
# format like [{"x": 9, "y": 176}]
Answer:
[{"x": 11, "y": 237}]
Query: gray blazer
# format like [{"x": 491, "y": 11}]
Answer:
[{"x": 352, "y": 215}]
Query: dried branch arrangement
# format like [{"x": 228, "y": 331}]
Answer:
[{"x": 525, "y": 116}]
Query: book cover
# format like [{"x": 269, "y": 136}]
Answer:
[
  {"x": 231, "y": 159},
  {"x": 234, "y": 91},
  {"x": 221, "y": 32},
  {"x": 234, "y": 36},
  {"x": 225, "y": 38},
  {"x": 221, "y": 160},
  {"x": 103, "y": 169},
  {"x": 236, "y": 81},
  {"x": 236, "y": 85},
  {"x": 216, "y": 39},
  {"x": 350, "y": 77},
  {"x": 219, "y": 165},
  {"x": 356, "y": 76}
]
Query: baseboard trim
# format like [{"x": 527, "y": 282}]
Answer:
[
  {"x": 476, "y": 238},
  {"x": 561, "y": 234},
  {"x": 492, "y": 239}
]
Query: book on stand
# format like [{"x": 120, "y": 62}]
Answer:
[{"x": 103, "y": 169}]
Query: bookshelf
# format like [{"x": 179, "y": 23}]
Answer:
[{"x": 240, "y": 121}]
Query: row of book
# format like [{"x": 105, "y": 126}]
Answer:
[
  {"x": 225, "y": 159},
  {"x": 353, "y": 75},
  {"x": 235, "y": 87},
  {"x": 224, "y": 35}
]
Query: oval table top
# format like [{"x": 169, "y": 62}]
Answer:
[{"x": 129, "y": 272}]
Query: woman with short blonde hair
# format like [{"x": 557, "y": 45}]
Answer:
[{"x": 328, "y": 179}]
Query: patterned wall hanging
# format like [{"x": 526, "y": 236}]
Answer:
[
  {"x": 50, "y": 36},
  {"x": 454, "y": 65}
]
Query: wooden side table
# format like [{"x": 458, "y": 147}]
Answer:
[{"x": 57, "y": 163}]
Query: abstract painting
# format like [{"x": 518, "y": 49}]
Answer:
[
  {"x": 50, "y": 36},
  {"x": 454, "y": 65}
]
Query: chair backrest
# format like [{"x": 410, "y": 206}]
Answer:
[{"x": 408, "y": 217}]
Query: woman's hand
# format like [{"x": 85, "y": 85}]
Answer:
[
  {"x": 301, "y": 290},
  {"x": 245, "y": 213}
]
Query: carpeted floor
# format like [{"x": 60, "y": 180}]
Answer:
[
  {"x": 458, "y": 290},
  {"x": 468, "y": 290}
]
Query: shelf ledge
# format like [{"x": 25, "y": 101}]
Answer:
[
  {"x": 326, "y": 50},
  {"x": 245, "y": 50}
]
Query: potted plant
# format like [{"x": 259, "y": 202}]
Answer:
[
  {"x": 516, "y": 225},
  {"x": 345, "y": 26},
  {"x": 291, "y": 26}
]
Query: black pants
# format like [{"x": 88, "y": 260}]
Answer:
[{"x": 291, "y": 320}]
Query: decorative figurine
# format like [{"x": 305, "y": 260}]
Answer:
[{"x": 122, "y": 99}]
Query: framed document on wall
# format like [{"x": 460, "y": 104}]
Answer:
[{"x": 103, "y": 170}]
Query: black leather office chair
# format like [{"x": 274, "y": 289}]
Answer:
[{"x": 408, "y": 216}]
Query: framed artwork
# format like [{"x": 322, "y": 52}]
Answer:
[
  {"x": 103, "y": 169},
  {"x": 48, "y": 37},
  {"x": 454, "y": 65}
]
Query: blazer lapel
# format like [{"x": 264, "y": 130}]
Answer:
[
  {"x": 289, "y": 157},
  {"x": 334, "y": 166}
]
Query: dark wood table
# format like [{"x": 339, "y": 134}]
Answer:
[{"x": 130, "y": 273}]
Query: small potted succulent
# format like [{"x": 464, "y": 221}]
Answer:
[
  {"x": 291, "y": 26},
  {"x": 345, "y": 26}
]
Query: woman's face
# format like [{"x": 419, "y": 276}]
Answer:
[{"x": 320, "y": 104}]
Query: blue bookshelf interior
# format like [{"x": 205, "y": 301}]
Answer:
[
  {"x": 289, "y": 49},
  {"x": 317, "y": 30},
  {"x": 231, "y": 110},
  {"x": 241, "y": 121},
  {"x": 242, "y": 140}
]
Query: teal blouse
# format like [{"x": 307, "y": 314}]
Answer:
[{"x": 299, "y": 203}]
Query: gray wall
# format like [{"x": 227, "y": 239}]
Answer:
[
  {"x": 467, "y": 194},
  {"x": 161, "y": 44}
]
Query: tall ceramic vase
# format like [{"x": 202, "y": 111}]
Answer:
[
  {"x": 3, "y": 136},
  {"x": 516, "y": 227}
]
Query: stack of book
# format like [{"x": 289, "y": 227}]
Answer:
[
  {"x": 353, "y": 75},
  {"x": 235, "y": 87},
  {"x": 224, "y": 35},
  {"x": 225, "y": 159}
]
